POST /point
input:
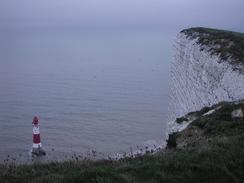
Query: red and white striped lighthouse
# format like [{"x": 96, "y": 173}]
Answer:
[
  {"x": 37, "y": 145},
  {"x": 36, "y": 133}
]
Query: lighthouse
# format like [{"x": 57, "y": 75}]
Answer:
[{"x": 37, "y": 145}]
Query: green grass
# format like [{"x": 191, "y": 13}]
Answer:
[
  {"x": 221, "y": 161},
  {"x": 231, "y": 44},
  {"x": 214, "y": 154}
]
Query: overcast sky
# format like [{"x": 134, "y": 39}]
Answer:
[{"x": 124, "y": 14}]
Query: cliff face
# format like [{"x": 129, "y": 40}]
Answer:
[{"x": 203, "y": 72}]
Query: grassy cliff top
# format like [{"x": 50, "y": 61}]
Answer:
[
  {"x": 226, "y": 44},
  {"x": 210, "y": 149}
]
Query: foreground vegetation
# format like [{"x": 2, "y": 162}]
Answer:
[{"x": 213, "y": 153}]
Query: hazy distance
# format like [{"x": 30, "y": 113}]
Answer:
[{"x": 122, "y": 14}]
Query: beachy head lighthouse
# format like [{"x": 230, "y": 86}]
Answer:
[{"x": 37, "y": 145}]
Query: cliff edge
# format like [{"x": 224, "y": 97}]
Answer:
[{"x": 207, "y": 68}]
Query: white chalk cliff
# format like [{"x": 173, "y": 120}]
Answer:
[{"x": 200, "y": 78}]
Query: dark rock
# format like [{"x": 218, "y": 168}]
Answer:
[
  {"x": 180, "y": 120},
  {"x": 38, "y": 152},
  {"x": 171, "y": 141}
]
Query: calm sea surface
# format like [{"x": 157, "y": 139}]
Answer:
[{"x": 103, "y": 91}]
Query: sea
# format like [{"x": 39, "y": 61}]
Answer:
[{"x": 104, "y": 92}]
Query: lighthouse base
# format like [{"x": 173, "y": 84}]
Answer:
[{"x": 38, "y": 152}]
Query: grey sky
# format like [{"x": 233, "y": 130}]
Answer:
[{"x": 153, "y": 14}]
